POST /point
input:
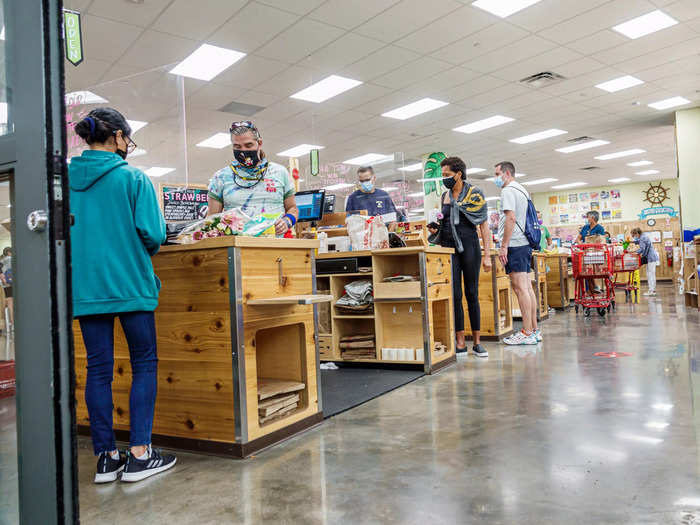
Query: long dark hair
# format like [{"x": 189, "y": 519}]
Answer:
[{"x": 100, "y": 124}]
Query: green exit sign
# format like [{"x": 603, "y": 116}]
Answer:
[{"x": 73, "y": 36}]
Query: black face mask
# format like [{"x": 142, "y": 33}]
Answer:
[
  {"x": 247, "y": 159},
  {"x": 121, "y": 153},
  {"x": 449, "y": 182}
]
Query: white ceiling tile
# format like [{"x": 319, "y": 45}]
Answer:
[
  {"x": 579, "y": 67},
  {"x": 347, "y": 49},
  {"x": 106, "y": 39},
  {"x": 299, "y": 41},
  {"x": 76, "y": 5},
  {"x": 348, "y": 15},
  {"x": 599, "y": 41},
  {"x": 251, "y": 27},
  {"x": 193, "y": 20},
  {"x": 683, "y": 10},
  {"x": 379, "y": 63},
  {"x": 405, "y": 75},
  {"x": 214, "y": 96},
  {"x": 602, "y": 17},
  {"x": 291, "y": 80},
  {"x": 498, "y": 94},
  {"x": 440, "y": 84},
  {"x": 689, "y": 66},
  {"x": 661, "y": 56},
  {"x": 251, "y": 71},
  {"x": 404, "y": 18},
  {"x": 163, "y": 49},
  {"x": 300, "y": 7},
  {"x": 545, "y": 62},
  {"x": 493, "y": 37},
  {"x": 550, "y": 12},
  {"x": 643, "y": 46},
  {"x": 256, "y": 97},
  {"x": 357, "y": 97},
  {"x": 446, "y": 30},
  {"x": 86, "y": 74},
  {"x": 515, "y": 52},
  {"x": 465, "y": 92},
  {"x": 128, "y": 12}
]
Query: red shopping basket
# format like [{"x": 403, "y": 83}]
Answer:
[
  {"x": 627, "y": 262},
  {"x": 7, "y": 378},
  {"x": 592, "y": 260}
]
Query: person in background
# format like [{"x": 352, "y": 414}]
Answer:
[
  {"x": 463, "y": 211},
  {"x": 649, "y": 257},
  {"x": 608, "y": 237},
  {"x": 375, "y": 200},
  {"x": 118, "y": 227},
  {"x": 515, "y": 252},
  {"x": 591, "y": 227},
  {"x": 6, "y": 279},
  {"x": 252, "y": 183},
  {"x": 546, "y": 238}
]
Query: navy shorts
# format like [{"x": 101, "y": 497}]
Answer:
[{"x": 519, "y": 259}]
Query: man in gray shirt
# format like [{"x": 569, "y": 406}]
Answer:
[{"x": 515, "y": 252}]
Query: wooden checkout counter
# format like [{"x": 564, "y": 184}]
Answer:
[{"x": 236, "y": 339}]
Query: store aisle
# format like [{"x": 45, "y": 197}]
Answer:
[{"x": 553, "y": 435}]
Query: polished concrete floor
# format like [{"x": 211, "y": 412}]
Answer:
[{"x": 546, "y": 435}]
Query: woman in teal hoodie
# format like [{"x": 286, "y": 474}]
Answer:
[{"x": 118, "y": 227}]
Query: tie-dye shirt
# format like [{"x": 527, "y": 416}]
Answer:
[{"x": 265, "y": 197}]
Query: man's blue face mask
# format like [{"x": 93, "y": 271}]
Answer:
[{"x": 367, "y": 186}]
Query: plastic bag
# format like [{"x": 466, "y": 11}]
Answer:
[
  {"x": 367, "y": 233},
  {"x": 229, "y": 222}
]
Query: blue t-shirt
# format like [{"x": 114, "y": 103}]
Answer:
[
  {"x": 586, "y": 231},
  {"x": 376, "y": 203}
]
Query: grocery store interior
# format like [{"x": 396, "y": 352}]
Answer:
[{"x": 321, "y": 379}]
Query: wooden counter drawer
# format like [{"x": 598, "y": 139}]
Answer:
[
  {"x": 439, "y": 290},
  {"x": 405, "y": 290},
  {"x": 438, "y": 267}
]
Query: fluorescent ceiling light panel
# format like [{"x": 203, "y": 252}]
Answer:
[
  {"x": 493, "y": 198},
  {"x": 2, "y": 33},
  {"x": 538, "y": 181},
  {"x": 299, "y": 151},
  {"x": 656, "y": 425},
  {"x": 662, "y": 406},
  {"x": 647, "y": 172},
  {"x": 415, "y": 194},
  {"x": 586, "y": 145},
  {"x": 417, "y": 210},
  {"x": 207, "y": 62},
  {"x": 640, "y": 163},
  {"x": 503, "y": 8},
  {"x": 390, "y": 188},
  {"x": 620, "y": 179},
  {"x": 645, "y": 24},
  {"x": 471, "y": 171},
  {"x": 412, "y": 167},
  {"x": 518, "y": 175},
  {"x": 620, "y": 83},
  {"x": 136, "y": 125},
  {"x": 688, "y": 502},
  {"x": 327, "y": 88},
  {"x": 639, "y": 439},
  {"x": 541, "y": 135},
  {"x": 486, "y": 123},
  {"x": 216, "y": 141},
  {"x": 669, "y": 103},
  {"x": 415, "y": 108},
  {"x": 368, "y": 159},
  {"x": 158, "y": 172},
  {"x": 569, "y": 185},
  {"x": 341, "y": 186},
  {"x": 620, "y": 154}
]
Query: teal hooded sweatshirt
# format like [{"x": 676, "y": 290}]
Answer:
[{"x": 118, "y": 227}]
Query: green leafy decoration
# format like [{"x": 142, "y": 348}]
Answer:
[{"x": 432, "y": 170}]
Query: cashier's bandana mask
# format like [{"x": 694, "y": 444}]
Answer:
[
  {"x": 247, "y": 159},
  {"x": 449, "y": 182}
]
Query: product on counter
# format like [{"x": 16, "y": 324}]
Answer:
[
  {"x": 358, "y": 347},
  {"x": 357, "y": 298},
  {"x": 229, "y": 222}
]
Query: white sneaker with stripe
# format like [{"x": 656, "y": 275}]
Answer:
[{"x": 155, "y": 463}]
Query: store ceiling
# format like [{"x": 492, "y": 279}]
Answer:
[{"x": 402, "y": 51}]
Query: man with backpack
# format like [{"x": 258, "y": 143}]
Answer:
[{"x": 518, "y": 233}]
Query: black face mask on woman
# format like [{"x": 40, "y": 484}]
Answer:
[
  {"x": 247, "y": 159},
  {"x": 449, "y": 182},
  {"x": 121, "y": 153}
]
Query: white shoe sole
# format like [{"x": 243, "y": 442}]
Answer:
[
  {"x": 108, "y": 477},
  {"x": 138, "y": 476},
  {"x": 520, "y": 344}
]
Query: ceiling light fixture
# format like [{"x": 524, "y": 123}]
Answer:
[
  {"x": 216, "y": 141},
  {"x": 538, "y": 181},
  {"x": 390, "y": 188},
  {"x": 340, "y": 186},
  {"x": 662, "y": 406},
  {"x": 418, "y": 210},
  {"x": 471, "y": 171},
  {"x": 620, "y": 83},
  {"x": 639, "y": 439},
  {"x": 415, "y": 108},
  {"x": 206, "y": 62},
  {"x": 486, "y": 123},
  {"x": 640, "y": 163},
  {"x": 415, "y": 194},
  {"x": 504, "y": 8},
  {"x": 619, "y": 179},
  {"x": 299, "y": 151},
  {"x": 369, "y": 158},
  {"x": 645, "y": 24},
  {"x": 647, "y": 172},
  {"x": 569, "y": 185},
  {"x": 688, "y": 502},
  {"x": 136, "y": 125},
  {"x": 656, "y": 425},
  {"x": 669, "y": 103},
  {"x": 620, "y": 154},
  {"x": 327, "y": 88},
  {"x": 412, "y": 167},
  {"x": 586, "y": 145},
  {"x": 493, "y": 198},
  {"x": 541, "y": 135},
  {"x": 158, "y": 171}
]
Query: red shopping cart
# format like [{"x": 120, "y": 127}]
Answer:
[
  {"x": 624, "y": 266},
  {"x": 591, "y": 262}
]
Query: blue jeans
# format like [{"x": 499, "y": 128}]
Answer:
[{"x": 98, "y": 335}]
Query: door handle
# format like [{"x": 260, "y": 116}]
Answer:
[
  {"x": 37, "y": 221},
  {"x": 280, "y": 270}
]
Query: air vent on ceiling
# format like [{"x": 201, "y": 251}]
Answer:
[
  {"x": 584, "y": 138},
  {"x": 546, "y": 78},
  {"x": 239, "y": 108},
  {"x": 590, "y": 168}
]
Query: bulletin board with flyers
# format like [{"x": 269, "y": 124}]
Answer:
[{"x": 571, "y": 208}]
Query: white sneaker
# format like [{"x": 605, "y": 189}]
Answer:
[
  {"x": 538, "y": 335},
  {"x": 650, "y": 293},
  {"x": 519, "y": 338}
]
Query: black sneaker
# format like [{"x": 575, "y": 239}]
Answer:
[
  {"x": 108, "y": 469},
  {"x": 459, "y": 350},
  {"x": 138, "y": 469},
  {"x": 480, "y": 351}
]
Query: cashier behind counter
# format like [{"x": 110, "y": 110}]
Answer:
[{"x": 372, "y": 199}]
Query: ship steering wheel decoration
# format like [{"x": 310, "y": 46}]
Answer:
[{"x": 656, "y": 195}]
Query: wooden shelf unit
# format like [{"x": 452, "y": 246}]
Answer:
[
  {"x": 557, "y": 281},
  {"x": 495, "y": 301}
]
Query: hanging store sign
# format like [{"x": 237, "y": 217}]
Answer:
[
  {"x": 73, "y": 36},
  {"x": 314, "y": 161},
  {"x": 184, "y": 204},
  {"x": 659, "y": 210}
]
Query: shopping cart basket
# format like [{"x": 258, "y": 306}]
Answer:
[
  {"x": 590, "y": 262},
  {"x": 624, "y": 266}
]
